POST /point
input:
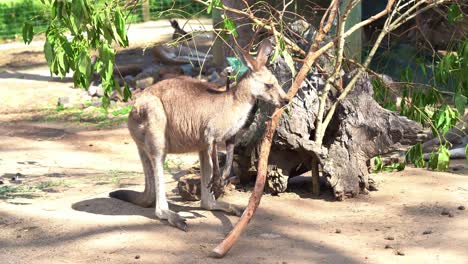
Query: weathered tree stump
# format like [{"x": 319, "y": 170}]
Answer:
[{"x": 360, "y": 129}]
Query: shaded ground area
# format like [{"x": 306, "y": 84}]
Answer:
[{"x": 60, "y": 212}]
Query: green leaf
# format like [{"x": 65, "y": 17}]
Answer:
[
  {"x": 127, "y": 94},
  {"x": 28, "y": 32},
  {"x": 454, "y": 14},
  {"x": 230, "y": 26},
  {"x": 77, "y": 16},
  {"x": 120, "y": 30},
  {"x": 62, "y": 63},
  {"x": 401, "y": 166},
  {"x": 378, "y": 164},
  {"x": 214, "y": 4},
  {"x": 433, "y": 161},
  {"x": 49, "y": 52},
  {"x": 289, "y": 61},
  {"x": 443, "y": 159},
  {"x": 84, "y": 63},
  {"x": 415, "y": 155},
  {"x": 440, "y": 160},
  {"x": 105, "y": 102},
  {"x": 84, "y": 69},
  {"x": 460, "y": 103},
  {"x": 407, "y": 75}
]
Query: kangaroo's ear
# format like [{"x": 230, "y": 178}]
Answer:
[
  {"x": 263, "y": 53},
  {"x": 248, "y": 60}
]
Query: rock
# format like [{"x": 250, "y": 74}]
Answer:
[
  {"x": 64, "y": 101},
  {"x": 189, "y": 187},
  {"x": 92, "y": 90},
  {"x": 169, "y": 76},
  {"x": 389, "y": 238},
  {"x": 461, "y": 207},
  {"x": 97, "y": 103},
  {"x": 171, "y": 70},
  {"x": 130, "y": 80},
  {"x": 451, "y": 215},
  {"x": 115, "y": 96},
  {"x": 427, "y": 232},
  {"x": 1, "y": 182},
  {"x": 270, "y": 235},
  {"x": 100, "y": 91},
  {"x": 146, "y": 78},
  {"x": 128, "y": 69},
  {"x": 137, "y": 257},
  {"x": 388, "y": 246},
  {"x": 187, "y": 69},
  {"x": 338, "y": 231},
  {"x": 400, "y": 252},
  {"x": 86, "y": 98},
  {"x": 144, "y": 82},
  {"x": 445, "y": 212}
]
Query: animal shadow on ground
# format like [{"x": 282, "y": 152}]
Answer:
[{"x": 110, "y": 206}]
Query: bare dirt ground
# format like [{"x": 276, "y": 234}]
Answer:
[{"x": 61, "y": 212}]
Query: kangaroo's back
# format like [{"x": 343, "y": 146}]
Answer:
[{"x": 189, "y": 107}]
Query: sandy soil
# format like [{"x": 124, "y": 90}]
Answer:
[{"x": 61, "y": 212}]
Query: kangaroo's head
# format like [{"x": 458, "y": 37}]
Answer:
[{"x": 263, "y": 84}]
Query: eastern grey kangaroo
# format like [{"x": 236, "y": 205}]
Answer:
[{"x": 184, "y": 115}]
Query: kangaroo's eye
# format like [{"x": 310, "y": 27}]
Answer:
[{"x": 268, "y": 85}]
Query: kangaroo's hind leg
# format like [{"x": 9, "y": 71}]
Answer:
[
  {"x": 154, "y": 147},
  {"x": 208, "y": 200},
  {"x": 162, "y": 207},
  {"x": 146, "y": 198}
]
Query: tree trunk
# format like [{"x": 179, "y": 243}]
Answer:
[{"x": 360, "y": 129}]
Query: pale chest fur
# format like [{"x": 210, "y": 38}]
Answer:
[{"x": 227, "y": 124}]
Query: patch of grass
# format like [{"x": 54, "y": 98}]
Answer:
[
  {"x": 50, "y": 184},
  {"x": 7, "y": 191},
  {"x": 27, "y": 191},
  {"x": 116, "y": 176},
  {"x": 173, "y": 164},
  {"x": 89, "y": 116},
  {"x": 122, "y": 111}
]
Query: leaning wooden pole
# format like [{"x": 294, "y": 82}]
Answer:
[{"x": 254, "y": 200}]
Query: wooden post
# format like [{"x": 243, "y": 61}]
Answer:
[
  {"x": 218, "y": 47},
  {"x": 315, "y": 177},
  {"x": 353, "y": 46},
  {"x": 145, "y": 8}
]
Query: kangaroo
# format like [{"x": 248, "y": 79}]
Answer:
[{"x": 183, "y": 115}]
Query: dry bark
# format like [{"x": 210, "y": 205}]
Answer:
[{"x": 360, "y": 130}]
